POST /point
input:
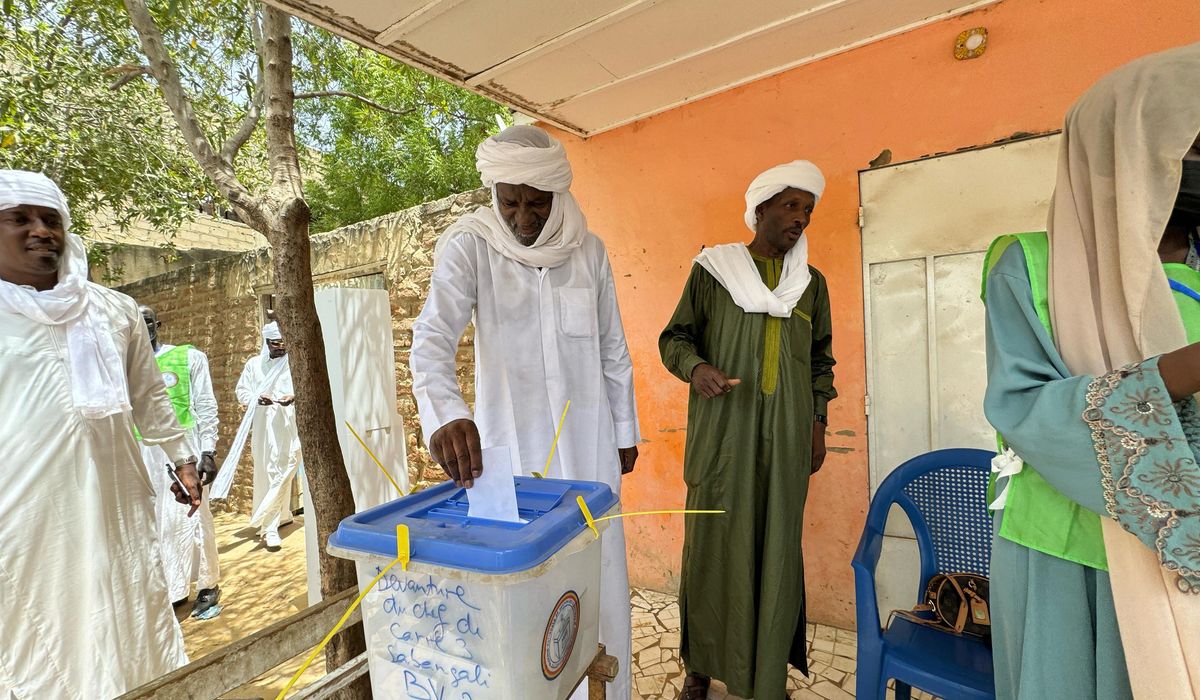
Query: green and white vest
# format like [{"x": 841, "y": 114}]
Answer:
[{"x": 1037, "y": 515}]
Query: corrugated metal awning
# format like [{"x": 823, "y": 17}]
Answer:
[{"x": 593, "y": 65}]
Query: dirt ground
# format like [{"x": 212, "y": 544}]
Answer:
[{"x": 258, "y": 588}]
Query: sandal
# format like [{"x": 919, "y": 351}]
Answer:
[{"x": 695, "y": 687}]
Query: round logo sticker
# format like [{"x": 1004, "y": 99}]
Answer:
[
  {"x": 170, "y": 379},
  {"x": 559, "y": 640}
]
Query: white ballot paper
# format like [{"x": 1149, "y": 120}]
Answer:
[{"x": 494, "y": 495}]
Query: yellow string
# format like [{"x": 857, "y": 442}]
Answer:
[
  {"x": 554, "y": 445},
  {"x": 587, "y": 515},
  {"x": 662, "y": 512},
  {"x": 335, "y": 630},
  {"x": 402, "y": 558},
  {"x": 381, "y": 467},
  {"x": 591, "y": 522}
]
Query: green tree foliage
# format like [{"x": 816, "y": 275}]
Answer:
[
  {"x": 76, "y": 102},
  {"x": 115, "y": 151},
  {"x": 419, "y": 146}
]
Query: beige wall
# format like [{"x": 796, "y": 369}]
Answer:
[
  {"x": 215, "y": 306},
  {"x": 202, "y": 231},
  {"x": 141, "y": 251}
]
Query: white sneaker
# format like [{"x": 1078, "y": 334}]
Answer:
[{"x": 273, "y": 540}]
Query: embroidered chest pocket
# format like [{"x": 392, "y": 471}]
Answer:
[{"x": 577, "y": 312}]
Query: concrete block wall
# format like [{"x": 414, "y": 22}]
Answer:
[{"x": 216, "y": 306}]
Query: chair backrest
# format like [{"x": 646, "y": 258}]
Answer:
[{"x": 944, "y": 494}]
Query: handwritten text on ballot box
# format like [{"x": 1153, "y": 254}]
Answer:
[{"x": 487, "y": 610}]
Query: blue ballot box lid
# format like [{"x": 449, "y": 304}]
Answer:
[{"x": 441, "y": 534}]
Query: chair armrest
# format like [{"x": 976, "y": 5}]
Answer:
[
  {"x": 870, "y": 545},
  {"x": 865, "y": 561}
]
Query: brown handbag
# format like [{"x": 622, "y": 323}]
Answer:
[{"x": 955, "y": 603}]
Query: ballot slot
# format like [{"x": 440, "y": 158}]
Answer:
[{"x": 534, "y": 499}]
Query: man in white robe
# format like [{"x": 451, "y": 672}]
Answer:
[
  {"x": 189, "y": 544},
  {"x": 548, "y": 330},
  {"x": 86, "y": 608},
  {"x": 265, "y": 388}
]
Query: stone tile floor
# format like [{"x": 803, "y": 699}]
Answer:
[{"x": 658, "y": 671}]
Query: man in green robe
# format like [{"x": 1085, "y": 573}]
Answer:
[{"x": 752, "y": 335}]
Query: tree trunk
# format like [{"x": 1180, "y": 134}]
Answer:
[
  {"x": 328, "y": 484},
  {"x": 291, "y": 266},
  {"x": 283, "y": 217}
]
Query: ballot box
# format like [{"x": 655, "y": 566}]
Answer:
[{"x": 487, "y": 610}]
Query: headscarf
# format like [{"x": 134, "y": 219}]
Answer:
[
  {"x": 272, "y": 370},
  {"x": 732, "y": 265},
  {"x": 525, "y": 155},
  {"x": 99, "y": 386},
  {"x": 1118, "y": 177}
]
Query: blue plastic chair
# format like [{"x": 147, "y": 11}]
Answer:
[{"x": 944, "y": 494}]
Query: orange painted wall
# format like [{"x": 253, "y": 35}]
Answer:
[{"x": 659, "y": 188}]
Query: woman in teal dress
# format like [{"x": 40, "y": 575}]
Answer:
[{"x": 1092, "y": 364}]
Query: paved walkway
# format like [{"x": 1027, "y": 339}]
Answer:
[{"x": 261, "y": 587}]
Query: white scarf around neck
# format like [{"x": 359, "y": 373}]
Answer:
[{"x": 732, "y": 266}]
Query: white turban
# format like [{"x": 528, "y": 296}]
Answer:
[
  {"x": 525, "y": 155},
  {"x": 270, "y": 332},
  {"x": 99, "y": 387},
  {"x": 19, "y": 187},
  {"x": 800, "y": 174}
]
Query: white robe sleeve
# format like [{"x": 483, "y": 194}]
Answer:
[
  {"x": 247, "y": 383},
  {"x": 152, "y": 411},
  {"x": 436, "y": 332},
  {"x": 614, "y": 358},
  {"x": 204, "y": 402}
]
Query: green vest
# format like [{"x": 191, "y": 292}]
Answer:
[
  {"x": 174, "y": 367},
  {"x": 175, "y": 375},
  {"x": 1036, "y": 515},
  {"x": 1189, "y": 309}
]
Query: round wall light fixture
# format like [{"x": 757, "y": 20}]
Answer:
[{"x": 971, "y": 43}]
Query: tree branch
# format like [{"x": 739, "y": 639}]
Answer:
[
  {"x": 249, "y": 123},
  {"x": 469, "y": 118},
  {"x": 354, "y": 96},
  {"x": 166, "y": 74},
  {"x": 128, "y": 72}
]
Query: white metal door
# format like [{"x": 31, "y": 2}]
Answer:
[{"x": 925, "y": 228}]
